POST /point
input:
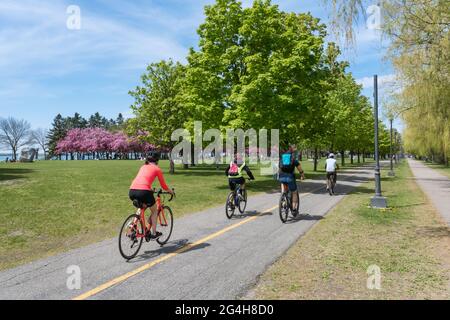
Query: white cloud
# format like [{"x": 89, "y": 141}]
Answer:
[
  {"x": 36, "y": 40},
  {"x": 36, "y": 46}
]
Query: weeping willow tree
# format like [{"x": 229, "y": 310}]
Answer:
[{"x": 419, "y": 37}]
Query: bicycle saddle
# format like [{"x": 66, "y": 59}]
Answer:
[{"x": 138, "y": 204}]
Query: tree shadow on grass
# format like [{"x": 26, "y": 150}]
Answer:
[
  {"x": 434, "y": 232},
  {"x": 407, "y": 205},
  {"x": 168, "y": 248},
  {"x": 7, "y": 174}
]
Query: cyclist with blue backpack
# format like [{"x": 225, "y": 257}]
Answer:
[
  {"x": 234, "y": 173},
  {"x": 286, "y": 175}
]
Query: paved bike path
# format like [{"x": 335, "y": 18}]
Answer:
[
  {"x": 435, "y": 185},
  {"x": 223, "y": 266}
]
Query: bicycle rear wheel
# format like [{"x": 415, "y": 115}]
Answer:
[
  {"x": 129, "y": 242},
  {"x": 230, "y": 206},
  {"x": 330, "y": 186},
  {"x": 165, "y": 225},
  {"x": 295, "y": 213},
  {"x": 284, "y": 208},
  {"x": 243, "y": 201}
]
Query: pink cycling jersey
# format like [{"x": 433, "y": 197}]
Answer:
[{"x": 146, "y": 176}]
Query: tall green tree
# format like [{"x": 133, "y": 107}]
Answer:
[
  {"x": 77, "y": 121},
  {"x": 96, "y": 121},
  {"x": 217, "y": 66},
  {"x": 157, "y": 108},
  {"x": 57, "y": 132},
  {"x": 255, "y": 68}
]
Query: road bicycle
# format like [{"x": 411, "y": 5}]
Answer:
[
  {"x": 134, "y": 229},
  {"x": 236, "y": 199},
  {"x": 331, "y": 183},
  {"x": 285, "y": 205}
]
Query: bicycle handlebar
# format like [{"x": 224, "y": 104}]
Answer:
[{"x": 161, "y": 191}]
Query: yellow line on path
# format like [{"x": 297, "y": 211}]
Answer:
[{"x": 185, "y": 248}]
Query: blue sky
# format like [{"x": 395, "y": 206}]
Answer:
[{"x": 46, "y": 69}]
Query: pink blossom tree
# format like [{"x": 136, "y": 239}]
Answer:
[{"x": 101, "y": 143}]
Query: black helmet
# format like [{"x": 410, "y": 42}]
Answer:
[{"x": 153, "y": 157}]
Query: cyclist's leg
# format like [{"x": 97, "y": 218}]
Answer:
[
  {"x": 293, "y": 188},
  {"x": 284, "y": 187},
  {"x": 153, "y": 217},
  {"x": 150, "y": 202},
  {"x": 231, "y": 184},
  {"x": 242, "y": 185}
]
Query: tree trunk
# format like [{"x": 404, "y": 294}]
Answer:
[
  {"x": 193, "y": 155},
  {"x": 171, "y": 165},
  {"x": 342, "y": 157},
  {"x": 315, "y": 159},
  {"x": 351, "y": 157},
  {"x": 359, "y": 156}
]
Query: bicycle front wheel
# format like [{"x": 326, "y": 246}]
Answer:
[
  {"x": 284, "y": 208},
  {"x": 131, "y": 237},
  {"x": 165, "y": 225},
  {"x": 229, "y": 206}
]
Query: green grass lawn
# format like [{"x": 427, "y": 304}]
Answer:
[
  {"x": 52, "y": 206},
  {"x": 409, "y": 242},
  {"x": 440, "y": 168}
]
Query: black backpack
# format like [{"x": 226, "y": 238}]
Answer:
[{"x": 287, "y": 162}]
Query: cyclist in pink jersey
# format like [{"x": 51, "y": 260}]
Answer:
[{"x": 142, "y": 191}]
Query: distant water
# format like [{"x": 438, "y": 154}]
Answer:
[{"x": 4, "y": 156}]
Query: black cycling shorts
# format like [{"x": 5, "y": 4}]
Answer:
[
  {"x": 329, "y": 174},
  {"x": 143, "y": 196},
  {"x": 234, "y": 181}
]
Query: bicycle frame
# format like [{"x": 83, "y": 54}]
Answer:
[
  {"x": 160, "y": 217},
  {"x": 236, "y": 195}
]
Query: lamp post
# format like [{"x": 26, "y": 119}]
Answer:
[{"x": 378, "y": 201}]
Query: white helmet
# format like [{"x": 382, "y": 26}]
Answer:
[{"x": 331, "y": 155}]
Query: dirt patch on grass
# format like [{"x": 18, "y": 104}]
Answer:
[{"x": 410, "y": 244}]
